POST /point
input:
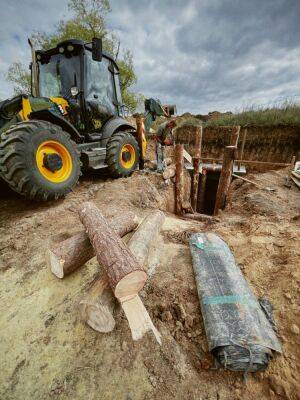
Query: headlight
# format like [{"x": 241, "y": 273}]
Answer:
[
  {"x": 70, "y": 47},
  {"x": 61, "y": 49}
]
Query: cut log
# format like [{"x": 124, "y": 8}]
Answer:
[
  {"x": 225, "y": 178},
  {"x": 97, "y": 307},
  {"x": 200, "y": 217},
  {"x": 179, "y": 178},
  {"x": 241, "y": 154},
  {"x": 202, "y": 191},
  {"x": 234, "y": 137},
  {"x": 126, "y": 277},
  {"x": 140, "y": 132},
  {"x": 65, "y": 257},
  {"x": 169, "y": 172},
  {"x": 195, "y": 183}
]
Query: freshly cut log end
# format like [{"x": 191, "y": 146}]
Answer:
[
  {"x": 97, "y": 308},
  {"x": 55, "y": 264},
  {"x": 130, "y": 284},
  {"x": 97, "y": 317}
]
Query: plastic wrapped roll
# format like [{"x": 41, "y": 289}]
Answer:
[{"x": 239, "y": 334}]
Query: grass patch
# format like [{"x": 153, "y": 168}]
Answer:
[{"x": 285, "y": 114}]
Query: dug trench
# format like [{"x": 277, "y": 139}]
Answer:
[{"x": 47, "y": 352}]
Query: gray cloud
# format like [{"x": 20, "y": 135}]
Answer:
[{"x": 200, "y": 54}]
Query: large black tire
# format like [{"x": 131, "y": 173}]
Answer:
[
  {"x": 18, "y": 163},
  {"x": 114, "y": 152}
]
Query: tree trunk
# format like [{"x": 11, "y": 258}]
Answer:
[
  {"x": 202, "y": 191},
  {"x": 234, "y": 137},
  {"x": 179, "y": 178},
  {"x": 225, "y": 178},
  {"x": 126, "y": 277},
  {"x": 97, "y": 307},
  {"x": 195, "y": 183},
  {"x": 65, "y": 257},
  {"x": 140, "y": 131}
]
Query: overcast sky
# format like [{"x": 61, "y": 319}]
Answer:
[{"x": 202, "y": 55}]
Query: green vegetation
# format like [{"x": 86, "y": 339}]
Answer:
[
  {"x": 287, "y": 113},
  {"x": 87, "y": 21}
]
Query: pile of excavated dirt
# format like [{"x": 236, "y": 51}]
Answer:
[{"x": 48, "y": 353}]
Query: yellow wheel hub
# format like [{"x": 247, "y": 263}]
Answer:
[
  {"x": 54, "y": 161},
  {"x": 127, "y": 156}
]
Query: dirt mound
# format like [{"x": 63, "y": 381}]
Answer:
[{"x": 43, "y": 337}]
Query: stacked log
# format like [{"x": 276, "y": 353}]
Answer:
[{"x": 65, "y": 257}]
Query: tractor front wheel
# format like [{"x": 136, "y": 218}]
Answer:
[
  {"x": 122, "y": 156},
  {"x": 39, "y": 160}
]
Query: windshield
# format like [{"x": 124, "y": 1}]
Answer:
[
  {"x": 58, "y": 76},
  {"x": 99, "y": 84}
]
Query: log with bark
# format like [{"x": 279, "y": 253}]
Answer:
[
  {"x": 125, "y": 275},
  {"x": 225, "y": 178},
  {"x": 65, "y": 257},
  {"x": 97, "y": 307},
  {"x": 179, "y": 178}
]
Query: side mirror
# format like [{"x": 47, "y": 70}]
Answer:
[{"x": 97, "y": 49}]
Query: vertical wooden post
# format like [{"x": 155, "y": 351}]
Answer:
[
  {"x": 140, "y": 130},
  {"x": 201, "y": 192},
  {"x": 225, "y": 177},
  {"x": 196, "y": 164},
  {"x": 179, "y": 178},
  {"x": 234, "y": 138},
  {"x": 241, "y": 155}
]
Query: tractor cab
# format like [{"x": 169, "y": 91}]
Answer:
[
  {"x": 72, "y": 122},
  {"x": 83, "y": 75}
]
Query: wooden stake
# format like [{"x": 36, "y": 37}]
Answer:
[
  {"x": 179, "y": 178},
  {"x": 242, "y": 147},
  {"x": 65, "y": 257},
  {"x": 97, "y": 307},
  {"x": 140, "y": 131},
  {"x": 234, "y": 138},
  {"x": 225, "y": 178},
  {"x": 196, "y": 165},
  {"x": 126, "y": 277},
  {"x": 202, "y": 191},
  {"x": 195, "y": 183}
]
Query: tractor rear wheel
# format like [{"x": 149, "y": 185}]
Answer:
[
  {"x": 39, "y": 160},
  {"x": 122, "y": 155}
]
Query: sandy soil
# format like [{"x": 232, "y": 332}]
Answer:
[{"x": 48, "y": 353}]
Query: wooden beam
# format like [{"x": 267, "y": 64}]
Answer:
[
  {"x": 234, "y": 137},
  {"x": 220, "y": 160},
  {"x": 179, "y": 178},
  {"x": 187, "y": 156},
  {"x": 202, "y": 191},
  {"x": 242, "y": 147},
  {"x": 140, "y": 131},
  {"x": 196, "y": 165},
  {"x": 225, "y": 178}
]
